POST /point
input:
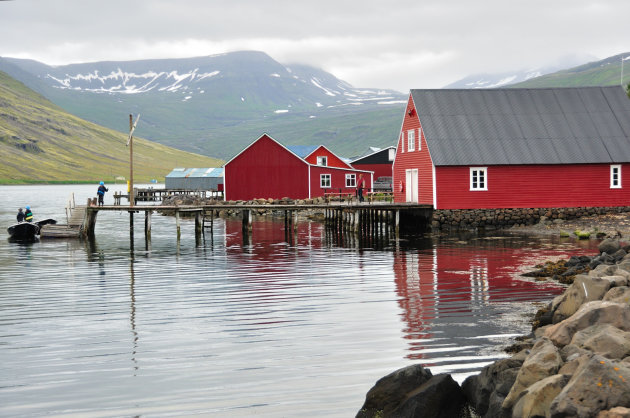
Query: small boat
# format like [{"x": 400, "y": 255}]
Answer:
[
  {"x": 27, "y": 231},
  {"x": 23, "y": 231}
]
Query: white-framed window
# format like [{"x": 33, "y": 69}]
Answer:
[
  {"x": 324, "y": 180},
  {"x": 351, "y": 180},
  {"x": 392, "y": 154},
  {"x": 322, "y": 160},
  {"x": 411, "y": 140},
  {"x": 402, "y": 142},
  {"x": 478, "y": 178},
  {"x": 615, "y": 176}
]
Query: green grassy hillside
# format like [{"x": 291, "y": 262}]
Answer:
[
  {"x": 39, "y": 142},
  {"x": 607, "y": 72}
]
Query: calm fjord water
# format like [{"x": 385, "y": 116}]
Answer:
[{"x": 267, "y": 328}]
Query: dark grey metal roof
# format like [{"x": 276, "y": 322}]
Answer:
[{"x": 525, "y": 126}]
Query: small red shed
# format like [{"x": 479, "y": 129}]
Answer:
[
  {"x": 378, "y": 160},
  {"x": 268, "y": 169},
  {"x": 514, "y": 148}
]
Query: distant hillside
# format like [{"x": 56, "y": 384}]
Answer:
[
  {"x": 40, "y": 142},
  {"x": 217, "y": 105},
  {"x": 606, "y": 72}
]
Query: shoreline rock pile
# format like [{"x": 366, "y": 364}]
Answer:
[{"x": 576, "y": 362}]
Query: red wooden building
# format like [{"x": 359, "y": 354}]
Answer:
[
  {"x": 514, "y": 148},
  {"x": 378, "y": 160},
  {"x": 268, "y": 169}
]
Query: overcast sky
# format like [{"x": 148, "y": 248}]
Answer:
[{"x": 400, "y": 44}]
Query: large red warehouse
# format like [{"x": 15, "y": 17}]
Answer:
[
  {"x": 268, "y": 169},
  {"x": 514, "y": 148}
]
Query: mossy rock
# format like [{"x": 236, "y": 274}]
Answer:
[{"x": 582, "y": 234}]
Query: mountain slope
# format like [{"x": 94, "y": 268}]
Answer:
[
  {"x": 218, "y": 104},
  {"x": 606, "y": 72},
  {"x": 42, "y": 143}
]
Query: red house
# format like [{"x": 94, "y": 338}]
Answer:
[
  {"x": 514, "y": 148},
  {"x": 377, "y": 160},
  {"x": 268, "y": 169}
]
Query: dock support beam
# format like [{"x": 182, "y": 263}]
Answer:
[
  {"x": 147, "y": 226},
  {"x": 247, "y": 220},
  {"x": 178, "y": 226},
  {"x": 198, "y": 227}
]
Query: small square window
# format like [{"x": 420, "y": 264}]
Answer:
[
  {"x": 323, "y": 161},
  {"x": 615, "y": 176},
  {"x": 478, "y": 178},
  {"x": 324, "y": 180},
  {"x": 351, "y": 180}
]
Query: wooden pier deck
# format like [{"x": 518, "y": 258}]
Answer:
[
  {"x": 351, "y": 216},
  {"x": 72, "y": 229},
  {"x": 347, "y": 216}
]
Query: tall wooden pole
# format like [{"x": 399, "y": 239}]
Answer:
[
  {"x": 131, "y": 194},
  {"x": 132, "y": 127}
]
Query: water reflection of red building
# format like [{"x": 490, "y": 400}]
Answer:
[{"x": 453, "y": 280}]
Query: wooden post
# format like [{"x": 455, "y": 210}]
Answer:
[
  {"x": 131, "y": 196},
  {"x": 147, "y": 225},
  {"x": 294, "y": 220},
  {"x": 131, "y": 226},
  {"x": 247, "y": 220},
  {"x": 198, "y": 228},
  {"x": 179, "y": 229},
  {"x": 397, "y": 222}
]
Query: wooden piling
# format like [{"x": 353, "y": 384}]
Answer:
[
  {"x": 147, "y": 225},
  {"x": 178, "y": 226}
]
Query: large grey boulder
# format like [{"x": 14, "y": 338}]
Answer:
[
  {"x": 487, "y": 390},
  {"x": 439, "y": 397},
  {"x": 583, "y": 289},
  {"x": 618, "y": 294},
  {"x": 411, "y": 392},
  {"x": 609, "y": 246},
  {"x": 389, "y": 391},
  {"x": 605, "y": 340},
  {"x": 536, "y": 400},
  {"x": 543, "y": 361},
  {"x": 600, "y": 384},
  {"x": 591, "y": 313},
  {"x": 617, "y": 412}
]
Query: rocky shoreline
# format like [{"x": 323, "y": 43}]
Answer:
[{"x": 575, "y": 363}]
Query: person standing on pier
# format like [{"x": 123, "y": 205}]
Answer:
[
  {"x": 28, "y": 215},
  {"x": 101, "y": 193},
  {"x": 20, "y": 215}
]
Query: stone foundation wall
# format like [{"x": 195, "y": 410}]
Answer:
[{"x": 504, "y": 218}]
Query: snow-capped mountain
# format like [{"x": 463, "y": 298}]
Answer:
[
  {"x": 217, "y": 104},
  {"x": 192, "y": 77}
]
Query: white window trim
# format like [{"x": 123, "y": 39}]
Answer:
[
  {"x": 616, "y": 167},
  {"x": 402, "y": 142},
  {"x": 353, "y": 180},
  {"x": 411, "y": 140},
  {"x": 420, "y": 139},
  {"x": 323, "y": 177},
  {"x": 485, "y": 179},
  {"x": 322, "y": 161}
]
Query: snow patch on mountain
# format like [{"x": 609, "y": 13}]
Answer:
[{"x": 129, "y": 82}]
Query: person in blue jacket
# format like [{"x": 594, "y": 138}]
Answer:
[
  {"x": 101, "y": 193},
  {"x": 28, "y": 215}
]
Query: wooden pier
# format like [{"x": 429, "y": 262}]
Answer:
[
  {"x": 361, "y": 218},
  {"x": 75, "y": 220}
]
